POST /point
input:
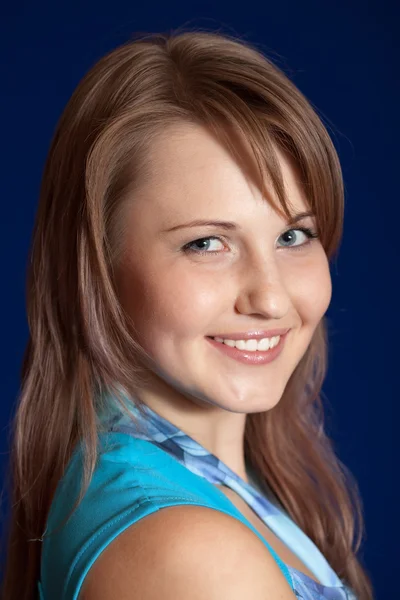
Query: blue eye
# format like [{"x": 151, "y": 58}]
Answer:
[
  {"x": 306, "y": 231},
  {"x": 204, "y": 242}
]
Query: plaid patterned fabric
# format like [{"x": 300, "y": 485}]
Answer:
[{"x": 200, "y": 461}]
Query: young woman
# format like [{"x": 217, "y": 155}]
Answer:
[{"x": 169, "y": 439}]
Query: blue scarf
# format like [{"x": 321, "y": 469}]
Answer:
[{"x": 200, "y": 461}]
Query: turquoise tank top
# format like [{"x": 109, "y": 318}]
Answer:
[{"x": 147, "y": 465}]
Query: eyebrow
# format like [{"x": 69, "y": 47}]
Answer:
[{"x": 229, "y": 225}]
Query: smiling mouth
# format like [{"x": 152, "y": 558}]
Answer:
[
  {"x": 256, "y": 344},
  {"x": 248, "y": 356}
]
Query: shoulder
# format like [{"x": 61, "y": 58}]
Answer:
[
  {"x": 132, "y": 479},
  {"x": 186, "y": 552}
]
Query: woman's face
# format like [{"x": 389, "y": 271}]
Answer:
[{"x": 249, "y": 277}]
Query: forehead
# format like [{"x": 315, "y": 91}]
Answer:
[{"x": 189, "y": 169}]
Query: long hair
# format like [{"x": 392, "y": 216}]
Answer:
[{"x": 81, "y": 341}]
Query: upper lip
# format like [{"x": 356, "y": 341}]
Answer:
[{"x": 256, "y": 334}]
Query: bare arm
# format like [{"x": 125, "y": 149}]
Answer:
[{"x": 186, "y": 553}]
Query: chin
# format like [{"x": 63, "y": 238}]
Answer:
[{"x": 249, "y": 401}]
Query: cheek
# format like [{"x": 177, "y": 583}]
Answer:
[
  {"x": 313, "y": 291},
  {"x": 167, "y": 302},
  {"x": 188, "y": 302}
]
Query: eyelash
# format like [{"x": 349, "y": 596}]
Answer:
[{"x": 308, "y": 232}]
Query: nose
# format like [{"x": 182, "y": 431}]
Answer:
[{"x": 263, "y": 292}]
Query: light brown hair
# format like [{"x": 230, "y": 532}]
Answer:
[{"x": 81, "y": 341}]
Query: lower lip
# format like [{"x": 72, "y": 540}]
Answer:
[{"x": 258, "y": 357}]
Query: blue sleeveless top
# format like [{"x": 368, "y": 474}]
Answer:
[{"x": 143, "y": 466}]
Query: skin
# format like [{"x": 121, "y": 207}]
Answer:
[{"x": 254, "y": 280}]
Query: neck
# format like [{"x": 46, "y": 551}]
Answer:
[{"x": 219, "y": 431}]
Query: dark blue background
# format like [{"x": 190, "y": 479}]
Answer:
[{"x": 344, "y": 56}]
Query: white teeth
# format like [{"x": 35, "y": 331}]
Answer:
[
  {"x": 251, "y": 345},
  {"x": 266, "y": 344}
]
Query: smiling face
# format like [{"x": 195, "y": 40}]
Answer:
[{"x": 260, "y": 274}]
